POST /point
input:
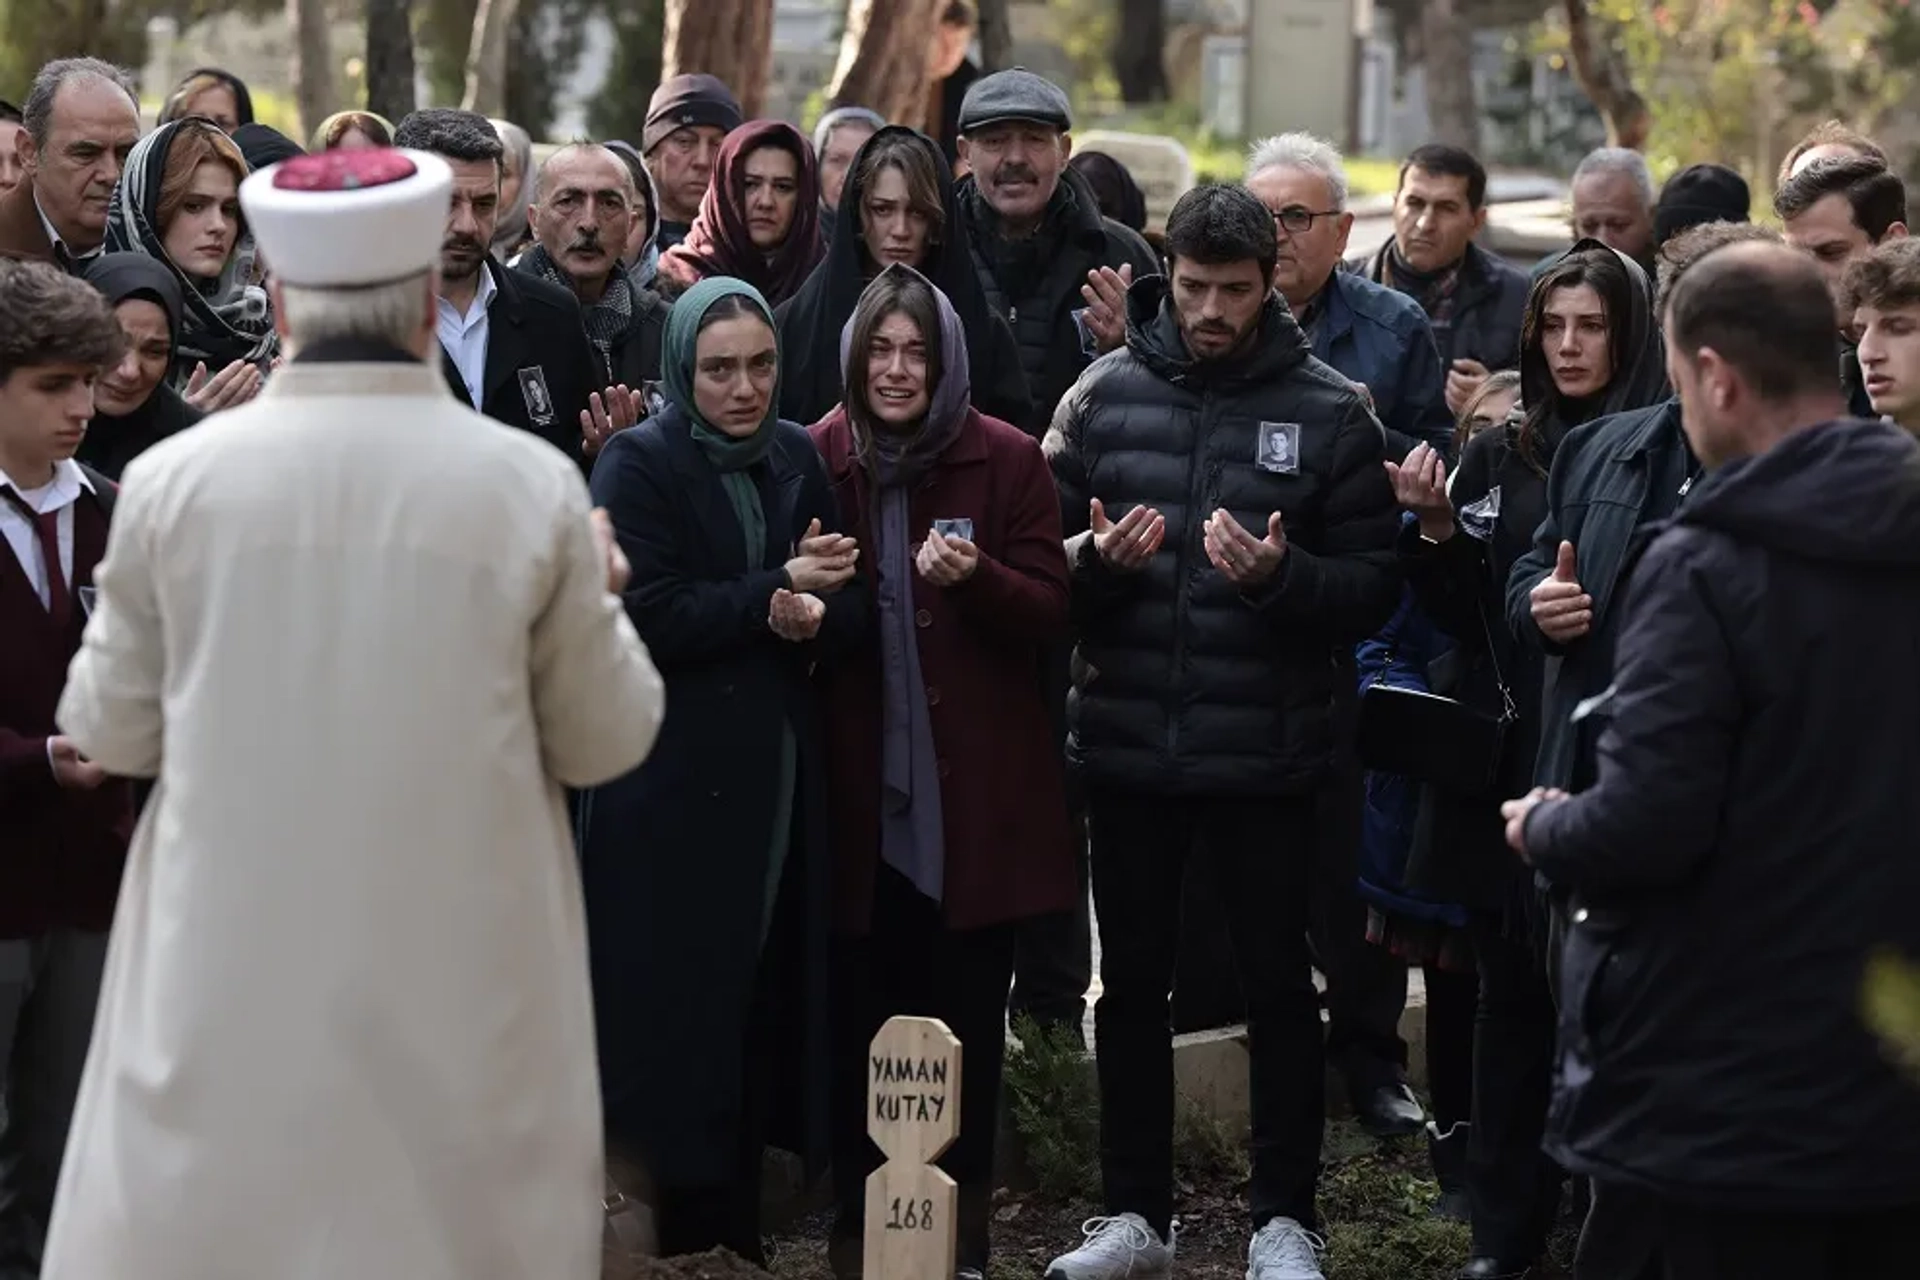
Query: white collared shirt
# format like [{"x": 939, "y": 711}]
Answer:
[
  {"x": 464, "y": 337},
  {"x": 60, "y": 247},
  {"x": 58, "y": 495}
]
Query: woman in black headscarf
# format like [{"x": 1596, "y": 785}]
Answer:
[
  {"x": 897, "y": 207},
  {"x": 1113, "y": 186},
  {"x": 1589, "y": 349},
  {"x": 133, "y": 407}
]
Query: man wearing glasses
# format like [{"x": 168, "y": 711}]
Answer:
[
  {"x": 1373, "y": 335},
  {"x": 1380, "y": 339}
]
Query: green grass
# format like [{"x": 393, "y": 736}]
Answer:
[{"x": 1223, "y": 159}]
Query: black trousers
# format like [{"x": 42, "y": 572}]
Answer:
[
  {"x": 912, "y": 964},
  {"x": 1702, "y": 1244},
  {"x": 1366, "y": 985},
  {"x": 1262, "y": 851},
  {"x": 1513, "y": 1187},
  {"x": 1452, "y": 1004},
  {"x": 1053, "y": 956}
]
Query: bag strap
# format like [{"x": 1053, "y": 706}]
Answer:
[{"x": 1509, "y": 710}]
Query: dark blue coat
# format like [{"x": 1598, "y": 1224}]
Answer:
[
  {"x": 1380, "y": 339},
  {"x": 675, "y": 854}
]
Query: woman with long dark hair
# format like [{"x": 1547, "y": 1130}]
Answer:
[
  {"x": 178, "y": 202},
  {"x": 760, "y": 219},
  {"x": 1589, "y": 348},
  {"x": 706, "y": 869},
  {"x": 946, "y": 788},
  {"x": 897, "y": 206}
]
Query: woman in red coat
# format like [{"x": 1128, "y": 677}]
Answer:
[{"x": 946, "y": 794}]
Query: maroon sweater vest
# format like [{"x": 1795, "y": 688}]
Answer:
[{"x": 61, "y": 850}]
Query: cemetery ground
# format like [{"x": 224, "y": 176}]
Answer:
[{"x": 1375, "y": 1197}]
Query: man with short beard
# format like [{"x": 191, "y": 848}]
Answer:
[
  {"x": 1229, "y": 526},
  {"x": 512, "y": 346},
  {"x": 583, "y": 212}
]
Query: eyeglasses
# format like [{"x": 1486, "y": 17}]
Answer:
[{"x": 1297, "y": 219}]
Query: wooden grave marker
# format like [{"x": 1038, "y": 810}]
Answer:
[{"x": 913, "y": 1116}]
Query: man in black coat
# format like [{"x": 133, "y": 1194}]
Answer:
[
  {"x": 1057, "y": 271},
  {"x": 1474, "y": 300},
  {"x": 1748, "y": 846},
  {"x": 511, "y": 346},
  {"x": 1204, "y": 673}
]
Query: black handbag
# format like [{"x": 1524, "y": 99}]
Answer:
[{"x": 1434, "y": 739}]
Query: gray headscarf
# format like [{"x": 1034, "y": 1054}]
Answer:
[
  {"x": 912, "y": 832},
  {"x": 514, "y": 231}
]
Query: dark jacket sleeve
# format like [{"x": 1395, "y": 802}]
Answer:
[
  {"x": 845, "y": 627},
  {"x": 1125, "y": 245},
  {"x": 1005, "y": 395},
  {"x": 1667, "y": 752},
  {"x": 583, "y": 369},
  {"x": 1421, "y": 410},
  {"x": 25, "y": 768},
  {"x": 681, "y": 618},
  {"x": 1024, "y": 595},
  {"x": 1096, "y": 586},
  {"x": 1453, "y": 580},
  {"x": 1538, "y": 562},
  {"x": 1350, "y": 587}
]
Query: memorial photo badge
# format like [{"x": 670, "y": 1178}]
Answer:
[
  {"x": 1279, "y": 448},
  {"x": 533, "y": 389}
]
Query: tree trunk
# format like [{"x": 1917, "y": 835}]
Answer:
[
  {"x": 487, "y": 57},
  {"x": 389, "y": 59},
  {"x": 883, "y": 60},
  {"x": 1138, "y": 46},
  {"x": 312, "y": 69},
  {"x": 1602, "y": 74},
  {"x": 731, "y": 39},
  {"x": 996, "y": 36},
  {"x": 1447, "y": 53}
]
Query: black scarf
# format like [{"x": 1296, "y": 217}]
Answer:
[{"x": 1016, "y": 264}]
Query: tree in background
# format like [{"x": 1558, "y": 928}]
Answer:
[
  {"x": 33, "y": 32},
  {"x": 1139, "y": 52},
  {"x": 731, "y": 39},
  {"x": 485, "y": 90},
  {"x": 311, "y": 68},
  {"x": 996, "y": 35},
  {"x": 883, "y": 59},
  {"x": 1593, "y": 46},
  {"x": 619, "y": 110},
  {"x": 390, "y": 66}
]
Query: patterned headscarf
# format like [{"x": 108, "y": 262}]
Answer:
[{"x": 226, "y": 319}]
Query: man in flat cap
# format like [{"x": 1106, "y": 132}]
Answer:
[
  {"x": 362, "y": 636},
  {"x": 687, "y": 120},
  {"x": 1058, "y": 271}
]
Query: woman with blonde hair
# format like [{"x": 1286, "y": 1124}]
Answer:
[
  {"x": 350, "y": 130},
  {"x": 178, "y": 202},
  {"x": 213, "y": 94}
]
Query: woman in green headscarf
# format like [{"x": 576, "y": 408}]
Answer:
[{"x": 706, "y": 869}]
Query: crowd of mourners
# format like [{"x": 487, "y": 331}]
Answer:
[{"x": 1551, "y": 631}]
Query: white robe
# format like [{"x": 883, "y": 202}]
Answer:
[{"x": 363, "y": 636}]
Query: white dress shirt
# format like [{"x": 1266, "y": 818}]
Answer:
[
  {"x": 465, "y": 336},
  {"x": 58, "y": 495}
]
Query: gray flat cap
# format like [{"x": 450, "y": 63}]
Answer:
[{"x": 1014, "y": 94}]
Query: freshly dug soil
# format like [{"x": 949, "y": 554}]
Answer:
[{"x": 717, "y": 1265}]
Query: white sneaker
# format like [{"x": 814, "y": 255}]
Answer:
[
  {"x": 1285, "y": 1250},
  {"x": 1122, "y": 1248}
]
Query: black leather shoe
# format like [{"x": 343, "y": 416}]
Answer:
[
  {"x": 1390, "y": 1111},
  {"x": 1493, "y": 1269}
]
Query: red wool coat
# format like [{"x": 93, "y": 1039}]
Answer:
[{"x": 1009, "y": 851}]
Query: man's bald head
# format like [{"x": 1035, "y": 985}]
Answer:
[
  {"x": 582, "y": 213},
  {"x": 1751, "y": 349}
]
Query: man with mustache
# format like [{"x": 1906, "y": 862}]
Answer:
[
  {"x": 1058, "y": 271},
  {"x": 1474, "y": 300},
  {"x": 82, "y": 117},
  {"x": 512, "y": 346},
  {"x": 1215, "y": 571},
  {"x": 584, "y": 208}
]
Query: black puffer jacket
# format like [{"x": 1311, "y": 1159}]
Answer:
[
  {"x": 1183, "y": 684},
  {"x": 1749, "y": 844},
  {"x": 1035, "y": 283}
]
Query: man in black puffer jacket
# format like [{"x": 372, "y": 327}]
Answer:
[
  {"x": 1255, "y": 535},
  {"x": 1748, "y": 845}
]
